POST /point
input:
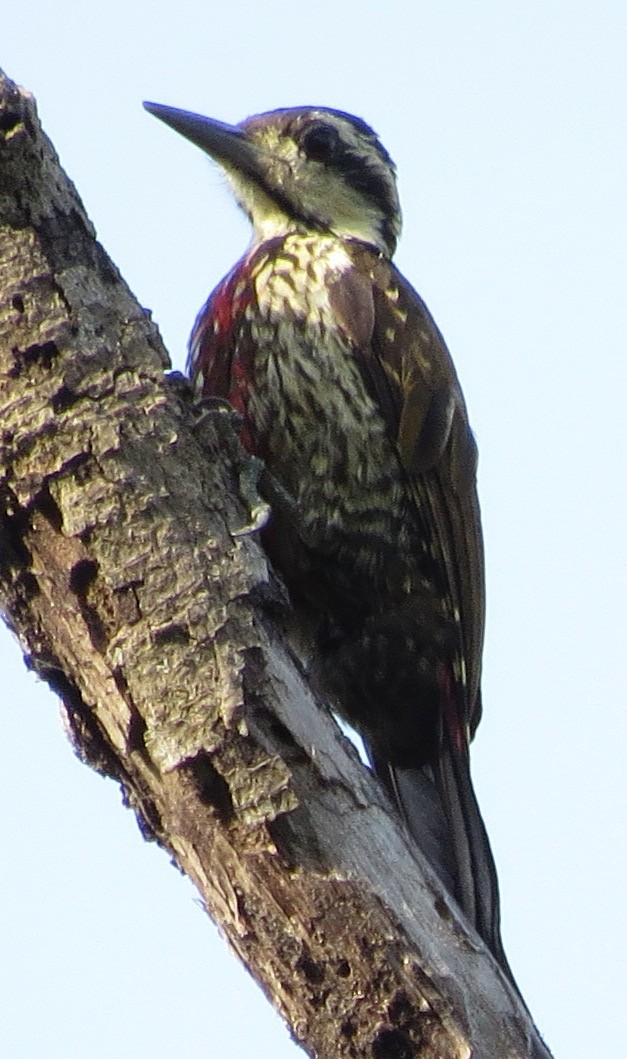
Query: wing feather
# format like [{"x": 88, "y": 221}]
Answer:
[{"x": 410, "y": 375}]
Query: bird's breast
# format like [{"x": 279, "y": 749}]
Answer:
[
  {"x": 279, "y": 338},
  {"x": 319, "y": 429}
]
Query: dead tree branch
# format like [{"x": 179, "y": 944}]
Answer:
[{"x": 128, "y": 591}]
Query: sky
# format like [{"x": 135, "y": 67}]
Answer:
[{"x": 507, "y": 123}]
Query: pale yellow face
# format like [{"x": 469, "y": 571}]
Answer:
[{"x": 311, "y": 193}]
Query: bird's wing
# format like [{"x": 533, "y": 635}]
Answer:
[{"x": 410, "y": 375}]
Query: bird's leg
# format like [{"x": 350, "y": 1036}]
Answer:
[{"x": 226, "y": 422}]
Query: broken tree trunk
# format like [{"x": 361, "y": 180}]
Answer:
[{"x": 131, "y": 592}]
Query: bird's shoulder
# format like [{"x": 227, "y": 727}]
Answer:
[{"x": 406, "y": 365}]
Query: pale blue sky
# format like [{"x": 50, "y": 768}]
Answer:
[{"x": 508, "y": 127}]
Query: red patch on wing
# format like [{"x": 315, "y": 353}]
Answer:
[
  {"x": 453, "y": 716},
  {"x": 220, "y": 352}
]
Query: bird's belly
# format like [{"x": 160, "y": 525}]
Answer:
[{"x": 327, "y": 446}]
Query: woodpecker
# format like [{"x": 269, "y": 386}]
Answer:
[{"x": 347, "y": 392}]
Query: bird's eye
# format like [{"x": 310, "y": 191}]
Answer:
[{"x": 321, "y": 142}]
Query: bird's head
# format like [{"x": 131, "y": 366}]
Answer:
[{"x": 304, "y": 168}]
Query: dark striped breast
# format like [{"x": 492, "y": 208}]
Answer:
[{"x": 278, "y": 342}]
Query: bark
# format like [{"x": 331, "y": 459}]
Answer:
[{"x": 132, "y": 592}]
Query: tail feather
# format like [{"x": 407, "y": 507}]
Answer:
[
  {"x": 477, "y": 888},
  {"x": 440, "y": 809},
  {"x": 415, "y": 793}
]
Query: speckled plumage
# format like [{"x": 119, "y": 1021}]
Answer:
[
  {"x": 300, "y": 353},
  {"x": 347, "y": 392},
  {"x": 290, "y": 368}
]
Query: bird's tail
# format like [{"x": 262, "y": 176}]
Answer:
[{"x": 440, "y": 809}]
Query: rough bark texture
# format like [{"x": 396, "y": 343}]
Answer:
[{"x": 129, "y": 591}]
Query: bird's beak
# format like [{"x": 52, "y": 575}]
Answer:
[{"x": 226, "y": 144}]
